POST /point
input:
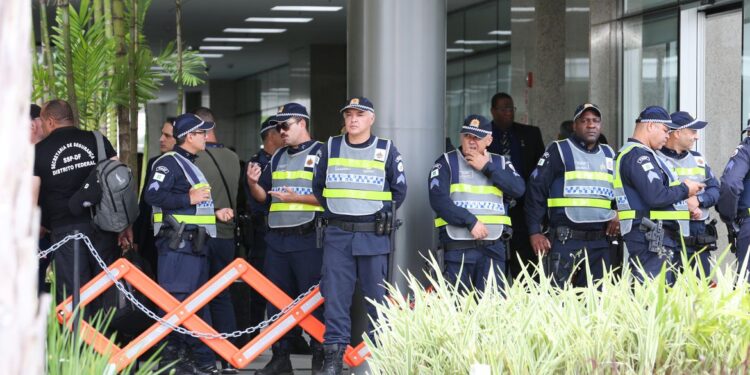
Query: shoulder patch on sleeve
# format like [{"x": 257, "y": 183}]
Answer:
[
  {"x": 159, "y": 177},
  {"x": 647, "y": 166}
]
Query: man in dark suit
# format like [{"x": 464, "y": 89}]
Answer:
[{"x": 524, "y": 146}]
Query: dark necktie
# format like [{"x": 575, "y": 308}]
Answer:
[{"x": 505, "y": 143}]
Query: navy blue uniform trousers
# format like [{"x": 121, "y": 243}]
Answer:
[
  {"x": 293, "y": 264},
  {"x": 472, "y": 266},
  {"x": 341, "y": 272},
  {"x": 181, "y": 272},
  {"x": 220, "y": 254},
  {"x": 652, "y": 263},
  {"x": 568, "y": 259}
]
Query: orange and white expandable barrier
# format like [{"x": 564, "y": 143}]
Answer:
[{"x": 184, "y": 314}]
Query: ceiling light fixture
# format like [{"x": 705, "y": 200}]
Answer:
[
  {"x": 253, "y": 30},
  {"x": 279, "y": 19},
  {"x": 233, "y": 40},
  {"x": 211, "y": 55},
  {"x": 306, "y": 8},
  {"x": 220, "y": 48},
  {"x": 459, "y": 50},
  {"x": 476, "y": 42},
  {"x": 522, "y": 9},
  {"x": 499, "y": 32}
]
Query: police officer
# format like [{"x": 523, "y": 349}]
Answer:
[
  {"x": 183, "y": 216},
  {"x": 572, "y": 188},
  {"x": 469, "y": 191},
  {"x": 646, "y": 188},
  {"x": 258, "y": 212},
  {"x": 293, "y": 261},
  {"x": 689, "y": 164},
  {"x": 734, "y": 199},
  {"x": 364, "y": 177}
]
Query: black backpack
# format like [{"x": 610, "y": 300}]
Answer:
[{"x": 118, "y": 207}]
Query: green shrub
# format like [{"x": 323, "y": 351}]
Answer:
[
  {"x": 617, "y": 326},
  {"x": 69, "y": 355}
]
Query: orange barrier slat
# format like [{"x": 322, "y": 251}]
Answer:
[{"x": 183, "y": 314}]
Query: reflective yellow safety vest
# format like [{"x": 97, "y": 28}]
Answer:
[
  {"x": 355, "y": 178},
  {"x": 202, "y": 214},
  {"x": 628, "y": 207},
  {"x": 692, "y": 167},
  {"x": 587, "y": 191},
  {"x": 472, "y": 190},
  {"x": 295, "y": 172}
]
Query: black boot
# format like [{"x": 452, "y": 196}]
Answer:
[
  {"x": 318, "y": 355},
  {"x": 333, "y": 364},
  {"x": 174, "y": 358},
  {"x": 280, "y": 363}
]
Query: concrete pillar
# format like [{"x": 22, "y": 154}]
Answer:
[
  {"x": 396, "y": 57},
  {"x": 548, "y": 94}
]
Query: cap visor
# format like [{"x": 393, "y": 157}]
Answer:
[
  {"x": 357, "y": 107},
  {"x": 698, "y": 125},
  {"x": 475, "y": 132}
]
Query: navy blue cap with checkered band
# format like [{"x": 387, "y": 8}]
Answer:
[
  {"x": 657, "y": 114},
  {"x": 477, "y": 125},
  {"x": 288, "y": 111},
  {"x": 188, "y": 123},
  {"x": 359, "y": 102},
  {"x": 685, "y": 120}
]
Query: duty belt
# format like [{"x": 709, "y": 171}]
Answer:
[
  {"x": 299, "y": 230},
  {"x": 350, "y": 226},
  {"x": 702, "y": 240},
  {"x": 463, "y": 245},
  {"x": 187, "y": 235},
  {"x": 563, "y": 234}
]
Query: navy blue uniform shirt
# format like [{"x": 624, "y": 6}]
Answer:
[
  {"x": 550, "y": 168},
  {"x": 732, "y": 182},
  {"x": 168, "y": 187},
  {"x": 256, "y": 208},
  {"x": 395, "y": 180},
  {"x": 640, "y": 172},
  {"x": 709, "y": 196},
  {"x": 439, "y": 182}
]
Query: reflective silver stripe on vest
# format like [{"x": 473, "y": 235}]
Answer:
[
  {"x": 689, "y": 167},
  {"x": 356, "y": 178},
  {"x": 205, "y": 208},
  {"x": 621, "y": 198},
  {"x": 581, "y": 183},
  {"x": 297, "y": 182},
  {"x": 476, "y": 204}
]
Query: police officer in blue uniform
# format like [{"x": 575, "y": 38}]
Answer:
[
  {"x": 184, "y": 216},
  {"x": 469, "y": 191},
  {"x": 258, "y": 213},
  {"x": 364, "y": 176},
  {"x": 652, "y": 203},
  {"x": 293, "y": 260},
  {"x": 572, "y": 188},
  {"x": 734, "y": 200},
  {"x": 689, "y": 164}
]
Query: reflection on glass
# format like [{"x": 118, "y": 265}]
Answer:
[
  {"x": 650, "y": 65},
  {"x": 745, "y": 61},
  {"x": 633, "y": 6}
]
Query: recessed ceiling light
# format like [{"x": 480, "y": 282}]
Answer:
[
  {"x": 522, "y": 9},
  {"x": 499, "y": 32},
  {"x": 236, "y": 40},
  {"x": 459, "y": 50},
  {"x": 307, "y": 8},
  {"x": 476, "y": 42},
  {"x": 279, "y": 19},
  {"x": 253, "y": 30},
  {"x": 577, "y": 9},
  {"x": 521, "y": 20},
  {"x": 220, "y": 48},
  {"x": 211, "y": 55}
]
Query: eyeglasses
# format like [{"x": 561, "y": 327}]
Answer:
[
  {"x": 284, "y": 125},
  {"x": 200, "y": 132}
]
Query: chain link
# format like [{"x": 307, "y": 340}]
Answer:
[{"x": 130, "y": 297}]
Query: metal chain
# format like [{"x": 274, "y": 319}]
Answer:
[{"x": 130, "y": 297}]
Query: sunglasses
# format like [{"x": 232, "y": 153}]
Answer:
[{"x": 284, "y": 125}]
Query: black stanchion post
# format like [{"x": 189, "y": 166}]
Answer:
[{"x": 76, "y": 282}]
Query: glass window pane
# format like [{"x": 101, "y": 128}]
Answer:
[
  {"x": 745, "y": 61},
  {"x": 650, "y": 65},
  {"x": 454, "y": 99},
  {"x": 634, "y": 6}
]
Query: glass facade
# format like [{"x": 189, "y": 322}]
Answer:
[{"x": 650, "y": 65}]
